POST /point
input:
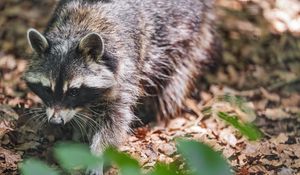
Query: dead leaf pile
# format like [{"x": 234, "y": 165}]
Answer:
[
  {"x": 8, "y": 160},
  {"x": 277, "y": 153}
]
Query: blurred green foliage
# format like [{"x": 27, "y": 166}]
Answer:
[
  {"x": 200, "y": 160},
  {"x": 75, "y": 156},
  {"x": 36, "y": 167},
  {"x": 127, "y": 165},
  {"x": 247, "y": 129}
]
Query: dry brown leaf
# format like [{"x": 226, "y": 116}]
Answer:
[
  {"x": 8, "y": 160},
  {"x": 293, "y": 100},
  {"x": 282, "y": 138},
  {"x": 229, "y": 138},
  {"x": 167, "y": 149},
  {"x": 270, "y": 96},
  {"x": 193, "y": 105},
  {"x": 4, "y": 128},
  {"x": 7, "y": 120},
  {"x": 141, "y": 132},
  {"x": 177, "y": 124},
  {"x": 275, "y": 114}
]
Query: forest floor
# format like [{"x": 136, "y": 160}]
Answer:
[{"x": 261, "y": 64}]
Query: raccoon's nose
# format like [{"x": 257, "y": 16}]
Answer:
[{"x": 56, "y": 120}]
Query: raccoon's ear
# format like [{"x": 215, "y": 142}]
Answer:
[
  {"x": 37, "y": 41},
  {"x": 92, "y": 45}
]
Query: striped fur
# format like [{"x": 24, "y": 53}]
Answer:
[{"x": 154, "y": 50}]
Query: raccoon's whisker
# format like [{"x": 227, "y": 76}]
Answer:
[
  {"x": 43, "y": 120},
  {"x": 86, "y": 121},
  {"x": 32, "y": 112},
  {"x": 35, "y": 117},
  {"x": 81, "y": 128},
  {"x": 75, "y": 126},
  {"x": 72, "y": 124},
  {"x": 88, "y": 118},
  {"x": 90, "y": 122},
  {"x": 37, "y": 108},
  {"x": 98, "y": 105},
  {"x": 95, "y": 112},
  {"x": 39, "y": 120},
  {"x": 38, "y": 117},
  {"x": 88, "y": 125}
]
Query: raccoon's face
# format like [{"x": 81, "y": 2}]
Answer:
[{"x": 69, "y": 76}]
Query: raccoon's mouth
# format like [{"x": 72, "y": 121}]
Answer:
[{"x": 60, "y": 116}]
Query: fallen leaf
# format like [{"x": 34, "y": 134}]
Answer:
[
  {"x": 8, "y": 160},
  {"x": 275, "y": 114}
]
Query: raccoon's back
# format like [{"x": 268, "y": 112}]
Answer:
[
  {"x": 176, "y": 32},
  {"x": 147, "y": 30}
]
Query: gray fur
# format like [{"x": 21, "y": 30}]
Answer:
[{"x": 159, "y": 48}]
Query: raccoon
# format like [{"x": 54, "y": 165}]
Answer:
[{"x": 98, "y": 59}]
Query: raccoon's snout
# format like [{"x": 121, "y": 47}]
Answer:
[
  {"x": 59, "y": 116},
  {"x": 55, "y": 117},
  {"x": 57, "y": 120}
]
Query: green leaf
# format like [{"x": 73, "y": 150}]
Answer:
[
  {"x": 75, "y": 156},
  {"x": 127, "y": 165},
  {"x": 163, "y": 169},
  {"x": 201, "y": 159},
  {"x": 36, "y": 167},
  {"x": 237, "y": 101},
  {"x": 247, "y": 129}
]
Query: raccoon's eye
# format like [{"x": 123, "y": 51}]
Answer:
[{"x": 73, "y": 92}]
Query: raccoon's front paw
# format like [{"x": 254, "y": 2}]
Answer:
[{"x": 96, "y": 171}]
